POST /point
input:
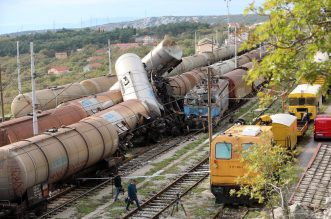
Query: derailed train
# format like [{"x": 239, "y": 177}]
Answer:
[
  {"x": 66, "y": 114},
  {"x": 178, "y": 86},
  {"x": 227, "y": 83},
  {"x": 52, "y": 97},
  {"x": 162, "y": 58},
  {"x": 226, "y": 91},
  {"x": 198, "y": 60},
  {"x": 27, "y": 167}
]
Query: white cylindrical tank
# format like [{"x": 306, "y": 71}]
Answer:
[
  {"x": 134, "y": 83},
  {"x": 165, "y": 56}
]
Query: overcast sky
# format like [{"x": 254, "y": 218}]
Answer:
[{"x": 21, "y": 15}]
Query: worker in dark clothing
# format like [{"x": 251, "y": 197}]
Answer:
[
  {"x": 132, "y": 194},
  {"x": 118, "y": 186}
]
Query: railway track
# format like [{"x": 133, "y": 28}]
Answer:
[
  {"x": 71, "y": 195},
  {"x": 230, "y": 212},
  {"x": 315, "y": 184},
  {"x": 172, "y": 193}
]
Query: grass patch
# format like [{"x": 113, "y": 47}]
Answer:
[
  {"x": 252, "y": 214},
  {"x": 202, "y": 212},
  {"x": 162, "y": 164},
  {"x": 116, "y": 212},
  {"x": 105, "y": 198},
  {"x": 198, "y": 189},
  {"x": 86, "y": 206}
]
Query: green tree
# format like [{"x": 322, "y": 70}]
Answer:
[
  {"x": 294, "y": 32},
  {"x": 270, "y": 170}
]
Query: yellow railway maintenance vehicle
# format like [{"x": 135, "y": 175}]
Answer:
[
  {"x": 305, "y": 100},
  {"x": 321, "y": 80},
  {"x": 225, "y": 164}
]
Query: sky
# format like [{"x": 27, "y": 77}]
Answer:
[{"x": 22, "y": 15}]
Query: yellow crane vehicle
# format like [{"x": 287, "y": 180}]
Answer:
[
  {"x": 305, "y": 101},
  {"x": 225, "y": 152}
]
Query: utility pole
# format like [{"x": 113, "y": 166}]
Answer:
[
  {"x": 18, "y": 68},
  {"x": 260, "y": 50},
  {"x": 109, "y": 56},
  {"x": 210, "y": 122},
  {"x": 33, "y": 77},
  {"x": 227, "y": 5},
  {"x": 195, "y": 42},
  {"x": 235, "y": 46},
  {"x": 216, "y": 38},
  {"x": 2, "y": 105}
]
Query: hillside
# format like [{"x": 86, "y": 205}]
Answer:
[{"x": 157, "y": 21}]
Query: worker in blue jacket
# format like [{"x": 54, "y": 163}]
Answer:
[{"x": 132, "y": 194}]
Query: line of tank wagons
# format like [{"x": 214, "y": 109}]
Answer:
[
  {"x": 29, "y": 165},
  {"x": 284, "y": 129}
]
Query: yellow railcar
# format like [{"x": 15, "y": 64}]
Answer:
[
  {"x": 225, "y": 165},
  {"x": 321, "y": 80},
  {"x": 305, "y": 100}
]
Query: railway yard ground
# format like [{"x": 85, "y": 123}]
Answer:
[{"x": 169, "y": 166}]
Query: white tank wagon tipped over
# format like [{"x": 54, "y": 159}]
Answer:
[
  {"x": 134, "y": 82},
  {"x": 165, "y": 56}
]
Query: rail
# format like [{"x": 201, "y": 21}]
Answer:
[
  {"x": 172, "y": 193},
  {"x": 226, "y": 212},
  {"x": 68, "y": 198}
]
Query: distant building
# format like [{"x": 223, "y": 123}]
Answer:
[
  {"x": 234, "y": 24},
  {"x": 92, "y": 66},
  {"x": 95, "y": 59},
  {"x": 101, "y": 51},
  {"x": 125, "y": 46},
  {"x": 58, "y": 70},
  {"x": 205, "y": 45},
  {"x": 147, "y": 39},
  {"x": 61, "y": 55}
]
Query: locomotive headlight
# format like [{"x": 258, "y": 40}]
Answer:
[{"x": 215, "y": 164}]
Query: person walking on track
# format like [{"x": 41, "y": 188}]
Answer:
[
  {"x": 118, "y": 186},
  {"x": 132, "y": 195}
]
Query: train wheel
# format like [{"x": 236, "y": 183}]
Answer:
[
  {"x": 153, "y": 137},
  {"x": 240, "y": 121},
  {"x": 175, "y": 131}
]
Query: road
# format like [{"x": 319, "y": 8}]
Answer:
[{"x": 308, "y": 148}]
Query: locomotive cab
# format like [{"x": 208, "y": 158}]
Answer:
[
  {"x": 305, "y": 99},
  {"x": 225, "y": 165}
]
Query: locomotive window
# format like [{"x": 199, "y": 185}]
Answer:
[
  {"x": 246, "y": 145},
  {"x": 293, "y": 101},
  {"x": 223, "y": 150},
  {"x": 302, "y": 101},
  {"x": 310, "y": 101}
]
